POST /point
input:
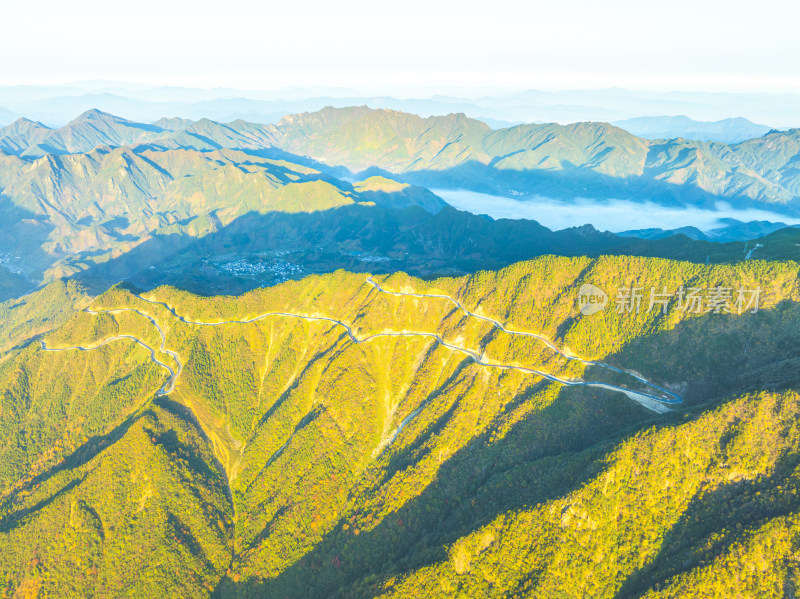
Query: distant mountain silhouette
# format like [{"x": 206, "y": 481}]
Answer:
[{"x": 726, "y": 131}]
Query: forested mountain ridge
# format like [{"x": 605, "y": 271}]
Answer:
[
  {"x": 290, "y": 460},
  {"x": 210, "y": 206},
  {"x": 367, "y": 432},
  {"x": 64, "y": 213}
]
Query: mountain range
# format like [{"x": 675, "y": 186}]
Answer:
[
  {"x": 56, "y": 104},
  {"x": 584, "y": 159},
  {"x": 244, "y": 360},
  {"x": 109, "y": 199},
  {"x": 729, "y": 230}
]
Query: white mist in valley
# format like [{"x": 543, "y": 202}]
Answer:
[{"x": 605, "y": 215}]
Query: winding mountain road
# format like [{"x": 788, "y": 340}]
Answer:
[
  {"x": 170, "y": 384},
  {"x": 655, "y": 403},
  {"x": 666, "y": 396}
]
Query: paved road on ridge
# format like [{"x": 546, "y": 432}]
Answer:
[{"x": 649, "y": 401}]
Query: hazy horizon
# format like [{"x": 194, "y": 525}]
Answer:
[{"x": 56, "y": 104}]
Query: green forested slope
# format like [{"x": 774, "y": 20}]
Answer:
[
  {"x": 12, "y": 284},
  {"x": 291, "y": 461},
  {"x": 39, "y": 312}
]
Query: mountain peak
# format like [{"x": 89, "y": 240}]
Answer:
[
  {"x": 21, "y": 125},
  {"x": 93, "y": 114},
  {"x": 173, "y": 123},
  {"x": 25, "y": 121}
]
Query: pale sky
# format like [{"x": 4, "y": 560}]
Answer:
[{"x": 411, "y": 46}]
